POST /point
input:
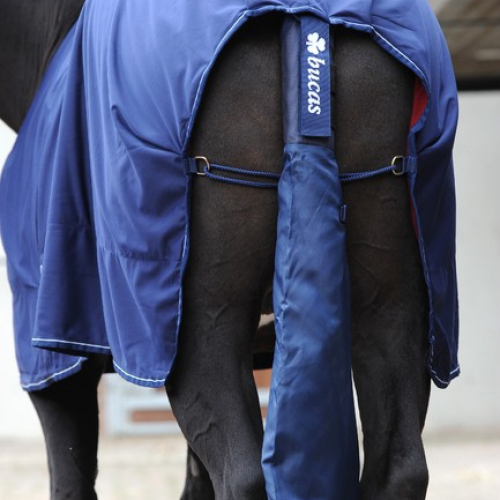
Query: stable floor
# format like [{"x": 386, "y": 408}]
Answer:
[{"x": 153, "y": 468}]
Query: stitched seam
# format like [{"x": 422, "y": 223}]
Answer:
[
  {"x": 69, "y": 342},
  {"x": 37, "y": 384}
]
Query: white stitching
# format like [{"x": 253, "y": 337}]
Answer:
[
  {"x": 58, "y": 341},
  {"x": 161, "y": 380},
  {"x": 36, "y": 384}
]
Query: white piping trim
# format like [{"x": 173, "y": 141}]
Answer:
[
  {"x": 452, "y": 373},
  {"x": 204, "y": 76},
  {"x": 58, "y": 341},
  {"x": 404, "y": 56},
  {"x": 37, "y": 384},
  {"x": 348, "y": 24},
  {"x": 236, "y": 25},
  {"x": 334, "y": 20},
  {"x": 182, "y": 273},
  {"x": 162, "y": 380}
]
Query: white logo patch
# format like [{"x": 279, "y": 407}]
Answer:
[{"x": 315, "y": 44}]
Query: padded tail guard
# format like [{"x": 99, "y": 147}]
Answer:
[{"x": 310, "y": 444}]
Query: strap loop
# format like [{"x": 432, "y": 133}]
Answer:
[
  {"x": 200, "y": 165},
  {"x": 400, "y": 165}
]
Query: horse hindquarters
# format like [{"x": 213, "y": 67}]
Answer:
[
  {"x": 389, "y": 300},
  {"x": 232, "y": 241}
]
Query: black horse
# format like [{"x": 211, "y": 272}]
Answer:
[{"x": 230, "y": 268}]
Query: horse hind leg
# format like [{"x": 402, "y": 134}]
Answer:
[
  {"x": 232, "y": 241},
  {"x": 197, "y": 484},
  {"x": 68, "y": 413},
  {"x": 389, "y": 299}
]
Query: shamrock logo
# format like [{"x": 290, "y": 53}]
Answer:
[{"x": 315, "y": 44}]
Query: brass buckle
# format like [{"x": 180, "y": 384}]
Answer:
[
  {"x": 398, "y": 169},
  {"x": 205, "y": 166}
]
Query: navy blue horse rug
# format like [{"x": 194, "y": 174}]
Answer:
[{"x": 94, "y": 197}]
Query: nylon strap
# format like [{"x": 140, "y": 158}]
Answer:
[{"x": 201, "y": 166}]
